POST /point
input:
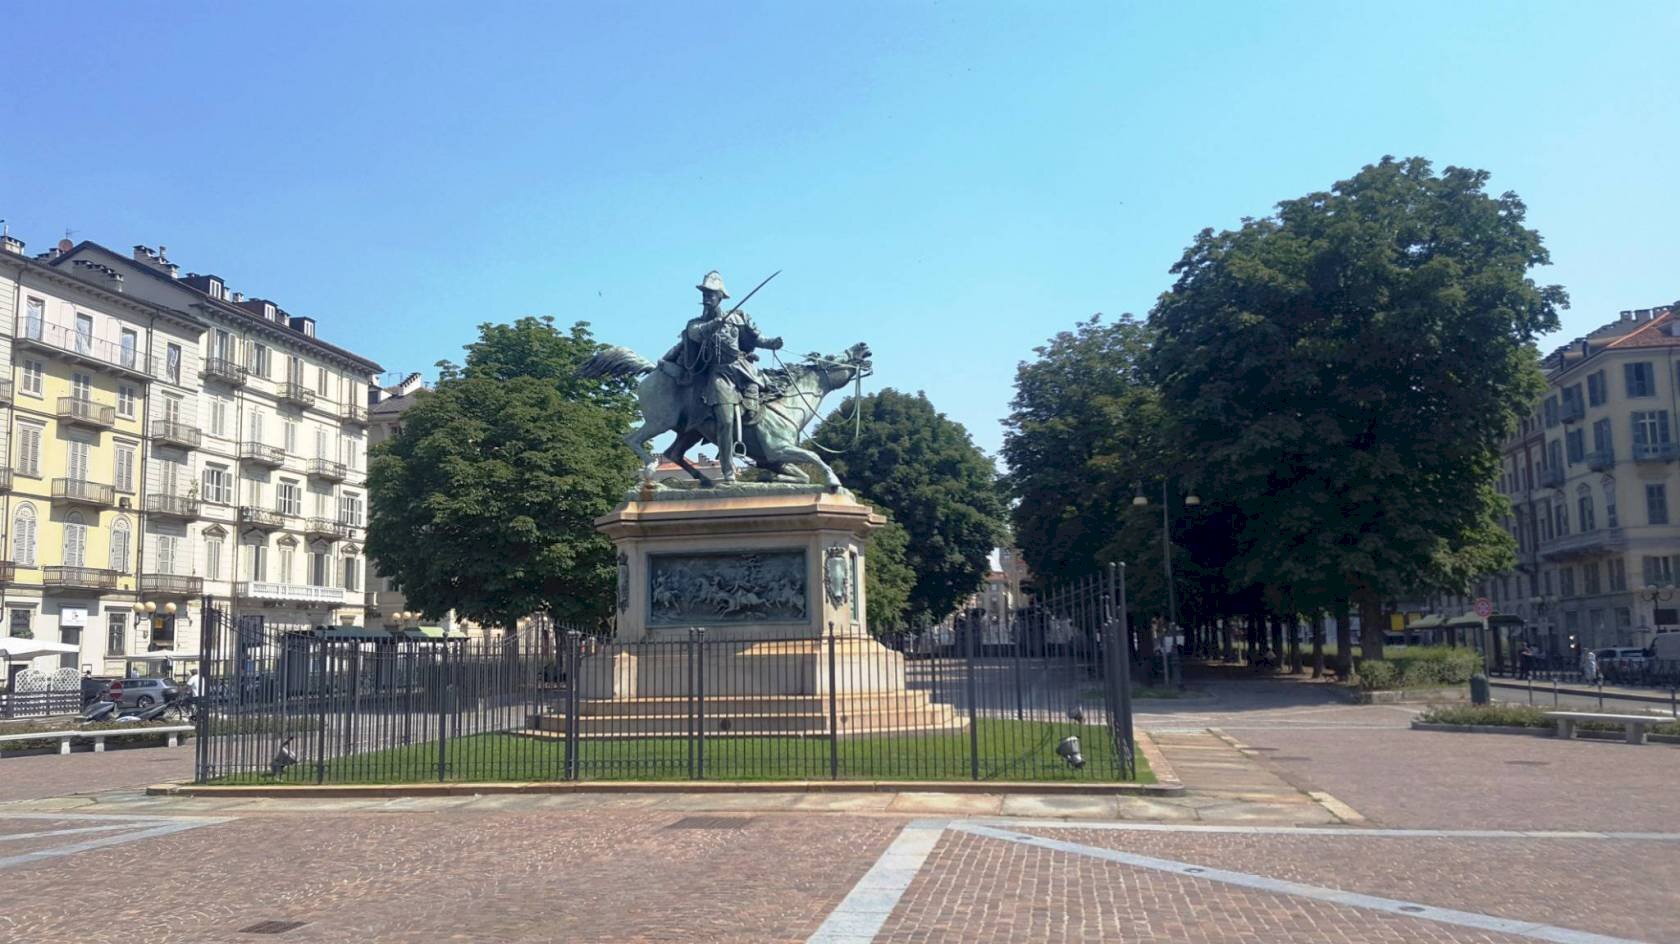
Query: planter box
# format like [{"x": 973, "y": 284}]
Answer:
[
  {"x": 1485, "y": 729},
  {"x": 1457, "y": 693}
]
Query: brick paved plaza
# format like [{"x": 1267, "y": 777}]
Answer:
[{"x": 1305, "y": 820}]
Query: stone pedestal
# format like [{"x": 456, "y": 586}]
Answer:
[{"x": 774, "y": 577}]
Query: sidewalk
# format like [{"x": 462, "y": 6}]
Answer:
[{"x": 1655, "y": 696}]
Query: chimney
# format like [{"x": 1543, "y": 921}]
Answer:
[
  {"x": 1586, "y": 347},
  {"x": 238, "y": 297},
  {"x": 11, "y": 244},
  {"x": 1627, "y": 316},
  {"x": 144, "y": 254},
  {"x": 95, "y": 272}
]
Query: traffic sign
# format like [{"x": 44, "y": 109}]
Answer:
[{"x": 1484, "y": 607}]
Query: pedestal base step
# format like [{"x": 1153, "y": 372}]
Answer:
[{"x": 774, "y": 716}]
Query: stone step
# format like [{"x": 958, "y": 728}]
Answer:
[{"x": 755, "y": 704}]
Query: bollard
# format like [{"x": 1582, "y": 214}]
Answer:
[
  {"x": 1554, "y": 692},
  {"x": 1601, "y": 693},
  {"x": 1479, "y": 690}
]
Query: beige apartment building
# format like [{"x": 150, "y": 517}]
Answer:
[
  {"x": 1594, "y": 485},
  {"x": 169, "y": 439}
]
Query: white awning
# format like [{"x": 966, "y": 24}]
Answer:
[
  {"x": 13, "y": 649},
  {"x": 158, "y": 655}
]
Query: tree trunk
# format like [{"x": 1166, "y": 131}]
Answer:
[
  {"x": 1277, "y": 638},
  {"x": 1225, "y": 637},
  {"x": 1318, "y": 644},
  {"x": 1294, "y": 645},
  {"x": 1344, "y": 641},
  {"x": 1371, "y": 625}
]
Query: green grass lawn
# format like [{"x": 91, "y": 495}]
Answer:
[{"x": 1009, "y": 750}]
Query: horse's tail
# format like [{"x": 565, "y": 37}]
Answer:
[{"x": 615, "y": 363}]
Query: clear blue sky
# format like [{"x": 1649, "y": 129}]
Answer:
[{"x": 952, "y": 182}]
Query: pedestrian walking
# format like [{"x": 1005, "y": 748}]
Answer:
[{"x": 1589, "y": 667}]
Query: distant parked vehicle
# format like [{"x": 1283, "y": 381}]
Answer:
[{"x": 143, "y": 692}]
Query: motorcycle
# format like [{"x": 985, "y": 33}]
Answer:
[{"x": 101, "y": 710}]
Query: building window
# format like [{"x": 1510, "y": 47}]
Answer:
[
  {"x": 74, "y": 550},
  {"x": 286, "y": 561},
  {"x": 29, "y": 449},
  {"x": 1560, "y": 511},
  {"x": 130, "y": 349},
  {"x": 1601, "y": 438},
  {"x": 1595, "y": 389},
  {"x": 81, "y": 386},
  {"x": 119, "y": 545},
  {"x": 1650, "y": 428},
  {"x": 321, "y": 381},
  {"x": 1575, "y": 441},
  {"x": 350, "y": 510},
  {"x": 1554, "y": 456},
  {"x": 1585, "y": 507},
  {"x": 1659, "y": 571},
  {"x": 125, "y": 400},
  {"x": 1589, "y": 578},
  {"x": 318, "y": 575},
  {"x": 218, "y": 484},
  {"x": 1551, "y": 411},
  {"x": 1618, "y": 574},
  {"x": 213, "y": 558},
  {"x": 256, "y": 562},
  {"x": 23, "y": 536},
  {"x": 22, "y": 624},
  {"x": 259, "y": 360},
  {"x": 352, "y": 573},
  {"x": 219, "y": 410},
  {"x": 294, "y": 369},
  {"x": 84, "y": 333},
  {"x": 32, "y": 371},
  {"x": 1610, "y": 505},
  {"x": 1641, "y": 379},
  {"x": 291, "y": 498},
  {"x": 256, "y": 427},
  {"x": 35, "y": 318},
  {"x": 168, "y": 553},
  {"x": 124, "y": 478},
  {"x": 291, "y": 437},
  {"x": 116, "y": 634},
  {"x": 1656, "y": 503},
  {"x": 1566, "y": 581}
]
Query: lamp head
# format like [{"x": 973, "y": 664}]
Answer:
[
  {"x": 1069, "y": 751},
  {"x": 150, "y": 607},
  {"x": 1192, "y": 499}
]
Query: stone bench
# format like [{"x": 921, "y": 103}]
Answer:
[
  {"x": 1634, "y": 725},
  {"x": 97, "y": 737}
]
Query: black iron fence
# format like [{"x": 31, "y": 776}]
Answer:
[{"x": 1035, "y": 695}]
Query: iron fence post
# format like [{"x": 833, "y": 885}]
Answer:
[
  {"x": 574, "y": 641},
  {"x": 973, "y": 697},
  {"x": 321, "y": 710},
  {"x": 1015, "y": 632},
  {"x": 443, "y": 689},
  {"x": 692, "y": 687},
  {"x": 1123, "y": 672},
  {"x": 833, "y": 708},
  {"x": 700, "y": 703}
]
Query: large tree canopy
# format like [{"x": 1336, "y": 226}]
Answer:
[
  {"x": 484, "y": 502},
  {"x": 923, "y": 468},
  {"x": 888, "y": 578},
  {"x": 1344, "y": 373}
]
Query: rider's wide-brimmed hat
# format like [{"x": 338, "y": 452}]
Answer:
[{"x": 712, "y": 283}]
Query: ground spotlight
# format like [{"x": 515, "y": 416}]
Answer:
[{"x": 1068, "y": 750}]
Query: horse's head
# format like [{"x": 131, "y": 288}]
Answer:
[{"x": 832, "y": 373}]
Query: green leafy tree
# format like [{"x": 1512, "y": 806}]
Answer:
[
  {"x": 485, "y": 500},
  {"x": 923, "y": 468},
  {"x": 1344, "y": 373},
  {"x": 888, "y": 578}
]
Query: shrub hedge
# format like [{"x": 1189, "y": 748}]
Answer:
[
  {"x": 1520, "y": 716},
  {"x": 1419, "y": 667}
]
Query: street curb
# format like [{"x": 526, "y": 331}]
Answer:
[
  {"x": 1536, "y": 732},
  {"x": 1333, "y": 806},
  {"x": 1165, "y": 776},
  {"x": 385, "y": 791},
  {"x": 1413, "y": 696}
]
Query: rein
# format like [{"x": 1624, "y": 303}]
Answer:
[{"x": 857, "y": 402}]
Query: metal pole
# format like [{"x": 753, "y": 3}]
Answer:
[
  {"x": 700, "y": 703},
  {"x": 574, "y": 641},
  {"x": 833, "y": 709},
  {"x": 1128, "y": 759},
  {"x": 973, "y": 730},
  {"x": 1166, "y": 560},
  {"x": 443, "y": 688}
]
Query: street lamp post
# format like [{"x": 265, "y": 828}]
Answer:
[
  {"x": 1655, "y": 594},
  {"x": 1191, "y": 500}
]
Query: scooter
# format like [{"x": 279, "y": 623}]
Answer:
[{"x": 101, "y": 710}]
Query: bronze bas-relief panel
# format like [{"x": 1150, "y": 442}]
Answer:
[{"x": 741, "y": 587}]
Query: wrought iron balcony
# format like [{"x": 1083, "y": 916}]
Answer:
[
  {"x": 328, "y": 470},
  {"x": 176, "y": 433},
  {"x": 1655, "y": 452},
  {"x": 226, "y": 370},
  {"x": 79, "y": 578},
  {"x": 297, "y": 394},
  {"x": 83, "y": 492},
  {"x": 75, "y": 344},
  {"x": 5, "y": 480},
  {"x": 6, "y": 389},
  {"x": 173, "y": 506},
  {"x": 261, "y": 518},
  {"x": 171, "y": 585},
  {"x": 1602, "y": 460},
  {"x": 1551, "y": 478},
  {"x": 354, "y": 414},
  {"x": 289, "y": 592},
  {"x": 326, "y": 528},
  {"x": 8, "y": 571},
  {"x": 1587, "y": 544},
  {"x": 1573, "y": 411},
  {"x": 260, "y": 454},
  {"x": 80, "y": 412}
]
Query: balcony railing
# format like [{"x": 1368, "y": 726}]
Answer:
[
  {"x": 1602, "y": 460},
  {"x": 5, "y": 480},
  {"x": 1573, "y": 411},
  {"x": 262, "y": 454},
  {"x": 8, "y": 571},
  {"x": 176, "y": 433},
  {"x": 328, "y": 470},
  {"x": 1551, "y": 478},
  {"x": 173, "y": 506},
  {"x": 225, "y": 369},
  {"x": 6, "y": 389},
  {"x": 354, "y": 413},
  {"x": 86, "y": 413},
  {"x": 83, "y": 492},
  {"x": 1654, "y": 452},
  {"x": 289, "y": 592},
  {"x": 79, "y": 345},
  {"x": 326, "y": 528},
  {"x": 171, "y": 585},
  {"x": 261, "y": 518},
  {"x": 1586, "y": 544},
  {"x": 296, "y": 393},
  {"x": 79, "y": 578}
]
